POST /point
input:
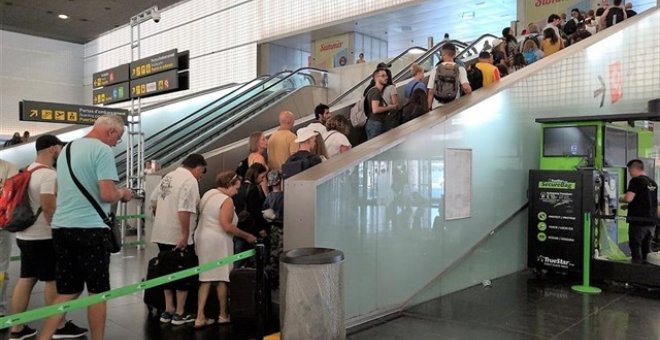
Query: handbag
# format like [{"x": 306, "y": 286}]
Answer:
[{"x": 114, "y": 238}]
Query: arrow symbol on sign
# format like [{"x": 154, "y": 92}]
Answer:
[{"x": 601, "y": 91}]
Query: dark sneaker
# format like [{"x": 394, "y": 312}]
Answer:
[
  {"x": 25, "y": 333},
  {"x": 69, "y": 331},
  {"x": 166, "y": 317},
  {"x": 182, "y": 319}
]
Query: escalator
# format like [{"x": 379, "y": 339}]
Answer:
[
  {"x": 414, "y": 208},
  {"x": 186, "y": 127},
  {"x": 259, "y": 112},
  {"x": 203, "y": 130}
]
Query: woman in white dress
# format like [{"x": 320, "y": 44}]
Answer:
[{"x": 213, "y": 241}]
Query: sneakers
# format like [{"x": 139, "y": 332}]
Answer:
[
  {"x": 166, "y": 317},
  {"x": 25, "y": 333},
  {"x": 182, "y": 319},
  {"x": 69, "y": 331}
]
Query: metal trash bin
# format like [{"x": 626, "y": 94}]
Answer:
[{"x": 312, "y": 294}]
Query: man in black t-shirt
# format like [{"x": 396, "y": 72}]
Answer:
[{"x": 642, "y": 198}]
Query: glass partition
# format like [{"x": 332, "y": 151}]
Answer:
[{"x": 382, "y": 203}]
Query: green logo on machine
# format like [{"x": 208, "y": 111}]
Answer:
[
  {"x": 557, "y": 184},
  {"x": 542, "y": 237},
  {"x": 542, "y": 226},
  {"x": 542, "y": 216}
]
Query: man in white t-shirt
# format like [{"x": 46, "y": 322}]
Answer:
[
  {"x": 448, "y": 53},
  {"x": 175, "y": 201},
  {"x": 6, "y": 170},
  {"x": 36, "y": 242}
]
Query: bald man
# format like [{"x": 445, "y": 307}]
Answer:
[{"x": 282, "y": 143}]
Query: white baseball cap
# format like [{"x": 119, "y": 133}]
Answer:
[
  {"x": 318, "y": 127},
  {"x": 304, "y": 134}
]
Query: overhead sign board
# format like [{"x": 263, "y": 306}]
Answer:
[
  {"x": 111, "y": 94},
  {"x": 155, "y": 64},
  {"x": 65, "y": 113},
  {"x": 114, "y": 75},
  {"x": 158, "y": 84}
]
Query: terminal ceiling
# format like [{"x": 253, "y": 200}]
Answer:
[{"x": 87, "y": 18}]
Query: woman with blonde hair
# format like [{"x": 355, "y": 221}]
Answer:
[
  {"x": 258, "y": 145},
  {"x": 213, "y": 240}
]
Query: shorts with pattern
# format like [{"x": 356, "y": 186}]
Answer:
[{"x": 82, "y": 259}]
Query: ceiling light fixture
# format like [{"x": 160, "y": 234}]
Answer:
[{"x": 63, "y": 16}]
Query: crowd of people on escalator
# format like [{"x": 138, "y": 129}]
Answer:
[{"x": 381, "y": 109}]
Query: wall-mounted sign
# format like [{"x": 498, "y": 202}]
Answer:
[
  {"x": 111, "y": 94},
  {"x": 159, "y": 83},
  {"x": 114, "y": 75},
  {"x": 65, "y": 113},
  {"x": 155, "y": 64}
]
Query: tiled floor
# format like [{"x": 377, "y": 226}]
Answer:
[
  {"x": 518, "y": 306},
  {"x": 521, "y": 307}
]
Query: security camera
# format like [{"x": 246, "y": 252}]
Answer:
[{"x": 156, "y": 16}]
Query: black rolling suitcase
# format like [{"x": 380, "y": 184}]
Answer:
[
  {"x": 155, "y": 300},
  {"x": 153, "y": 297},
  {"x": 242, "y": 297}
]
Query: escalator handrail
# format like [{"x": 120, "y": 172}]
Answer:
[
  {"x": 435, "y": 49},
  {"x": 340, "y": 97},
  {"x": 163, "y": 135},
  {"x": 368, "y": 78},
  {"x": 239, "y": 107},
  {"x": 474, "y": 43},
  {"x": 260, "y": 80},
  {"x": 209, "y": 135}
]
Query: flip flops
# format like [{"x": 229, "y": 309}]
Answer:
[
  {"x": 207, "y": 322},
  {"x": 223, "y": 321}
]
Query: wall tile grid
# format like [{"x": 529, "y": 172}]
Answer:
[
  {"x": 221, "y": 35},
  {"x": 635, "y": 51}
]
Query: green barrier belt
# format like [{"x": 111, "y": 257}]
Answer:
[
  {"x": 128, "y": 217},
  {"x": 44, "y": 312}
]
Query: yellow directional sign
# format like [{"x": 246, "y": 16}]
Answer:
[
  {"x": 47, "y": 114},
  {"x": 72, "y": 116},
  {"x": 59, "y": 115}
]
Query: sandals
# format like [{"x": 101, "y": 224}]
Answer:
[
  {"x": 207, "y": 322},
  {"x": 223, "y": 321}
]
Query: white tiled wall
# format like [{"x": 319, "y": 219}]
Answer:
[
  {"x": 222, "y": 35},
  {"x": 37, "y": 69}
]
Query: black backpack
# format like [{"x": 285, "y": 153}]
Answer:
[
  {"x": 447, "y": 82},
  {"x": 614, "y": 16},
  {"x": 475, "y": 77}
]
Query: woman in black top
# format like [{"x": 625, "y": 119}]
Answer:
[{"x": 248, "y": 203}]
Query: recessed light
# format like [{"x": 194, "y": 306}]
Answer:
[
  {"x": 63, "y": 16},
  {"x": 49, "y": 12}
]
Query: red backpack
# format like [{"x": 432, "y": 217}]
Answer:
[{"x": 15, "y": 209}]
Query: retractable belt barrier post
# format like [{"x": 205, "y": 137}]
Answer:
[{"x": 44, "y": 312}]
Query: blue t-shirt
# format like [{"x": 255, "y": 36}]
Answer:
[
  {"x": 412, "y": 86},
  {"x": 91, "y": 161}
]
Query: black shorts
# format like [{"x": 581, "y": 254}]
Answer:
[
  {"x": 82, "y": 259},
  {"x": 37, "y": 259}
]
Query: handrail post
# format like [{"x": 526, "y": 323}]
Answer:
[
  {"x": 585, "y": 287},
  {"x": 260, "y": 292}
]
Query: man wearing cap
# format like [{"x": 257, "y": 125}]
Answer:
[
  {"x": 175, "y": 200},
  {"x": 36, "y": 242},
  {"x": 303, "y": 158},
  {"x": 80, "y": 235}
]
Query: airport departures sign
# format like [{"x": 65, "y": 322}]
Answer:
[
  {"x": 65, "y": 113},
  {"x": 157, "y": 74}
]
